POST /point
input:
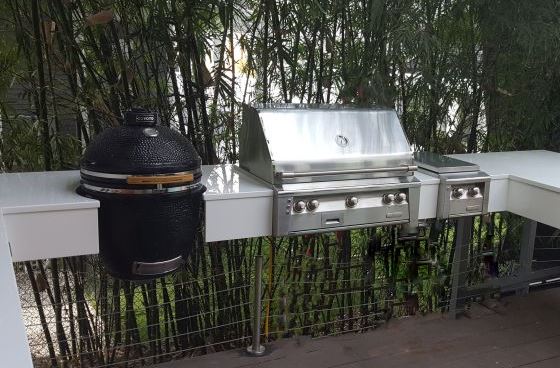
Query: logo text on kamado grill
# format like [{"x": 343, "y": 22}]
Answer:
[
  {"x": 141, "y": 118},
  {"x": 341, "y": 140}
]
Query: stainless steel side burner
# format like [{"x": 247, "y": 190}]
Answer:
[
  {"x": 332, "y": 167},
  {"x": 463, "y": 189}
]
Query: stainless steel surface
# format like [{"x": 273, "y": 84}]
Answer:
[
  {"x": 156, "y": 268},
  {"x": 331, "y": 167},
  {"x": 463, "y": 190},
  {"x": 312, "y": 205},
  {"x": 457, "y": 192},
  {"x": 256, "y": 349},
  {"x": 292, "y": 175},
  {"x": 388, "y": 198},
  {"x": 473, "y": 192},
  {"x": 351, "y": 202},
  {"x": 126, "y": 176},
  {"x": 400, "y": 197},
  {"x": 441, "y": 164},
  {"x": 158, "y": 190},
  {"x": 150, "y": 132},
  {"x": 299, "y": 206},
  {"x": 334, "y": 213},
  {"x": 297, "y": 139}
]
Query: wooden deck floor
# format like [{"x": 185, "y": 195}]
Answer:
[{"x": 520, "y": 332}]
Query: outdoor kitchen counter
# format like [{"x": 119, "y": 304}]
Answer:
[
  {"x": 41, "y": 216},
  {"x": 44, "y": 217},
  {"x": 526, "y": 183},
  {"x": 237, "y": 204}
]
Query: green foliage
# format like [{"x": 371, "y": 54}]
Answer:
[{"x": 464, "y": 75}]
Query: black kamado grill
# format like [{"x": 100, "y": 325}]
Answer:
[{"x": 147, "y": 178}]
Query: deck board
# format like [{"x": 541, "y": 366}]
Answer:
[{"x": 518, "y": 332}]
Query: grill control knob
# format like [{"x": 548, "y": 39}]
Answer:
[
  {"x": 388, "y": 198},
  {"x": 299, "y": 206},
  {"x": 474, "y": 191},
  {"x": 351, "y": 202},
  {"x": 457, "y": 192},
  {"x": 400, "y": 197},
  {"x": 312, "y": 205}
]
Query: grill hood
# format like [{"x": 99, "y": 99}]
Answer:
[{"x": 295, "y": 143}]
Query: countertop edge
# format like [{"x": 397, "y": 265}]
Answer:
[
  {"x": 533, "y": 183},
  {"x": 49, "y": 207},
  {"x": 224, "y": 197}
]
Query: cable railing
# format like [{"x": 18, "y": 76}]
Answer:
[{"x": 96, "y": 321}]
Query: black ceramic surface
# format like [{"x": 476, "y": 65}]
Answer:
[
  {"x": 140, "y": 148},
  {"x": 149, "y": 233},
  {"x": 146, "y": 228}
]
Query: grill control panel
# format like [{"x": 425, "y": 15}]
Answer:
[
  {"x": 463, "y": 189},
  {"x": 464, "y": 199},
  {"x": 306, "y": 213}
]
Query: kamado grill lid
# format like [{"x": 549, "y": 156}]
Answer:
[
  {"x": 141, "y": 152},
  {"x": 140, "y": 147}
]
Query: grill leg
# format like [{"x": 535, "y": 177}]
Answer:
[
  {"x": 256, "y": 349},
  {"x": 460, "y": 265},
  {"x": 526, "y": 255}
]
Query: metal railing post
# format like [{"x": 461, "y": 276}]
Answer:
[
  {"x": 526, "y": 255},
  {"x": 460, "y": 265},
  {"x": 256, "y": 349}
]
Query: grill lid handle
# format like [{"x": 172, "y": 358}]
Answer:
[
  {"x": 292, "y": 175},
  {"x": 141, "y": 117}
]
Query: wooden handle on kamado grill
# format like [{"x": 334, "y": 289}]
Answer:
[{"x": 160, "y": 179}]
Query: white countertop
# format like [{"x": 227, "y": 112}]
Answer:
[
  {"x": 42, "y": 191},
  {"x": 539, "y": 168},
  {"x": 55, "y": 190},
  {"x": 51, "y": 191},
  {"x": 230, "y": 182}
]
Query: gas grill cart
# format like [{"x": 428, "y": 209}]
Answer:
[{"x": 303, "y": 169}]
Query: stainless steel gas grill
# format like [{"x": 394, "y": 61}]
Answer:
[
  {"x": 463, "y": 189},
  {"x": 331, "y": 167}
]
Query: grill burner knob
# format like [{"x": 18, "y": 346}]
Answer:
[
  {"x": 351, "y": 202},
  {"x": 388, "y": 198},
  {"x": 473, "y": 192},
  {"x": 457, "y": 192},
  {"x": 400, "y": 197},
  {"x": 312, "y": 205},
  {"x": 299, "y": 206}
]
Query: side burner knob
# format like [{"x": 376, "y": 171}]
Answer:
[
  {"x": 457, "y": 192},
  {"x": 351, "y": 202},
  {"x": 299, "y": 206},
  {"x": 474, "y": 191},
  {"x": 400, "y": 197},
  {"x": 312, "y": 205},
  {"x": 388, "y": 198}
]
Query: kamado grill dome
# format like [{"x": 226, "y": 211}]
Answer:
[
  {"x": 140, "y": 147},
  {"x": 147, "y": 178}
]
